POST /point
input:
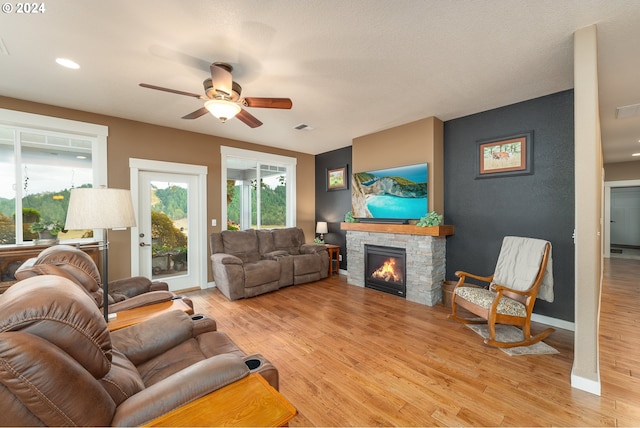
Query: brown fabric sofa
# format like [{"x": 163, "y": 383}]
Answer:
[
  {"x": 60, "y": 365},
  {"x": 251, "y": 262},
  {"x": 78, "y": 266}
]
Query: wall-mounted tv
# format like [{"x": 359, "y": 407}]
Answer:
[{"x": 390, "y": 195}]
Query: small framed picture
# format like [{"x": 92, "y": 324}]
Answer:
[
  {"x": 506, "y": 156},
  {"x": 337, "y": 178}
]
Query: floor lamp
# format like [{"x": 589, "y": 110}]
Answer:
[{"x": 101, "y": 208}]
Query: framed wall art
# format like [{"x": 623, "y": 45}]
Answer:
[
  {"x": 505, "y": 156},
  {"x": 337, "y": 178}
]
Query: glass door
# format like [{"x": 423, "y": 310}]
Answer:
[{"x": 166, "y": 224}]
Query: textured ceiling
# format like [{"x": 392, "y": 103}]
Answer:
[{"x": 351, "y": 67}]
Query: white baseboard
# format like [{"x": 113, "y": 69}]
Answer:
[
  {"x": 584, "y": 384},
  {"x": 211, "y": 284},
  {"x": 553, "y": 322}
]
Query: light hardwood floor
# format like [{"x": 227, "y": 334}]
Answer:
[{"x": 350, "y": 356}]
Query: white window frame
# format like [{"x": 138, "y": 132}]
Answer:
[
  {"x": 31, "y": 122},
  {"x": 263, "y": 158}
]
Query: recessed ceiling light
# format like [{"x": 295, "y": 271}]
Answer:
[{"x": 67, "y": 63}]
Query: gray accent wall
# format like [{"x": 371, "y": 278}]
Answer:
[
  {"x": 331, "y": 206},
  {"x": 540, "y": 205}
]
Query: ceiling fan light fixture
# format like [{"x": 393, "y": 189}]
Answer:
[{"x": 222, "y": 109}]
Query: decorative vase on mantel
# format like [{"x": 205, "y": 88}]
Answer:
[{"x": 46, "y": 238}]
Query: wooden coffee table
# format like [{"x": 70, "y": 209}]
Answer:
[
  {"x": 248, "y": 402},
  {"x": 143, "y": 313}
]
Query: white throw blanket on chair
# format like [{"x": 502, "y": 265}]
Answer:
[{"x": 518, "y": 265}]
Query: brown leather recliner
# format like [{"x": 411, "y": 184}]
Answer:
[
  {"x": 60, "y": 365},
  {"x": 75, "y": 264}
]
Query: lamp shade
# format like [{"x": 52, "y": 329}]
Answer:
[
  {"x": 99, "y": 208},
  {"x": 321, "y": 227},
  {"x": 222, "y": 109}
]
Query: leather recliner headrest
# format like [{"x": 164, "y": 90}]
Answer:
[
  {"x": 55, "y": 309},
  {"x": 75, "y": 261}
]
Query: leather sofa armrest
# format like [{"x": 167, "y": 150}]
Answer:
[
  {"x": 226, "y": 259},
  {"x": 130, "y": 286},
  {"x": 158, "y": 286},
  {"x": 148, "y": 339},
  {"x": 203, "y": 324},
  {"x": 275, "y": 255},
  {"x": 141, "y": 300},
  {"x": 312, "y": 248},
  {"x": 179, "y": 389}
]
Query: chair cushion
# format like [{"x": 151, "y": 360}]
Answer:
[
  {"x": 484, "y": 298},
  {"x": 519, "y": 262}
]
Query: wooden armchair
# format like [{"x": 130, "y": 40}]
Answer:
[{"x": 523, "y": 273}]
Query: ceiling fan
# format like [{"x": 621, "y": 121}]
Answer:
[{"x": 222, "y": 97}]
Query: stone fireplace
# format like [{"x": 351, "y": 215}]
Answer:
[{"x": 425, "y": 249}]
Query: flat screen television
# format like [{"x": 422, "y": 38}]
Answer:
[{"x": 392, "y": 195}]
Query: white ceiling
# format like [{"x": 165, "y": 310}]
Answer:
[{"x": 351, "y": 67}]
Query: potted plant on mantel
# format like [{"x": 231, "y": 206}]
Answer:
[{"x": 47, "y": 231}]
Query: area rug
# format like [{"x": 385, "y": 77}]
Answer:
[{"x": 510, "y": 333}]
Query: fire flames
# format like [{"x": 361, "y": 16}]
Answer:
[{"x": 387, "y": 272}]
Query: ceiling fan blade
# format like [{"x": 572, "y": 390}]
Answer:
[
  {"x": 221, "y": 78},
  {"x": 248, "y": 119},
  {"x": 173, "y": 91},
  {"x": 196, "y": 114},
  {"x": 268, "y": 102}
]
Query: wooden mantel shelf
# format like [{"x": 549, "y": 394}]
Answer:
[{"x": 404, "y": 229}]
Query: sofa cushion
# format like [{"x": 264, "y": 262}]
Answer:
[
  {"x": 265, "y": 241},
  {"x": 242, "y": 244},
  {"x": 261, "y": 272},
  {"x": 215, "y": 243},
  {"x": 306, "y": 263},
  {"x": 289, "y": 239}
]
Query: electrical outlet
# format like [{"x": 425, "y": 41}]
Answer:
[{"x": 214, "y": 222}]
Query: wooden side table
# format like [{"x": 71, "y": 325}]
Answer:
[
  {"x": 143, "y": 313},
  {"x": 248, "y": 402},
  {"x": 334, "y": 255}
]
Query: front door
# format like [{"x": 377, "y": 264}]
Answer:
[{"x": 169, "y": 228}]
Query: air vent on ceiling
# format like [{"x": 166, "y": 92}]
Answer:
[
  {"x": 303, "y": 127},
  {"x": 628, "y": 111}
]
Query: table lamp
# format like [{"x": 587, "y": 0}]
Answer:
[
  {"x": 101, "y": 208},
  {"x": 321, "y": 228}
]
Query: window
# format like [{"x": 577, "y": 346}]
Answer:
[
  {"x": 258, "y": 190},
  {"x": 41, "y": 160}
]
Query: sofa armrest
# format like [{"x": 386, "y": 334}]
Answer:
[
  {"x": 179, "y": 389},
  {"x": 159, "y": 286},
  {"x": 275, "y": 255},
  {"x": 226, "y": 259},
  {"x": 130, "y": 286},
  {"x": 203, "y": 324},
  {"x": 141, "y": 300},
  {"x": 148, "y": 339},
  {"x": 312, "y": 248}
]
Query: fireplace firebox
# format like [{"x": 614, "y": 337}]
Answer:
[{"x": 385, "y": 269}]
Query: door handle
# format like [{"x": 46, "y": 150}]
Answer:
[{"x": 142, "y": 244}]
